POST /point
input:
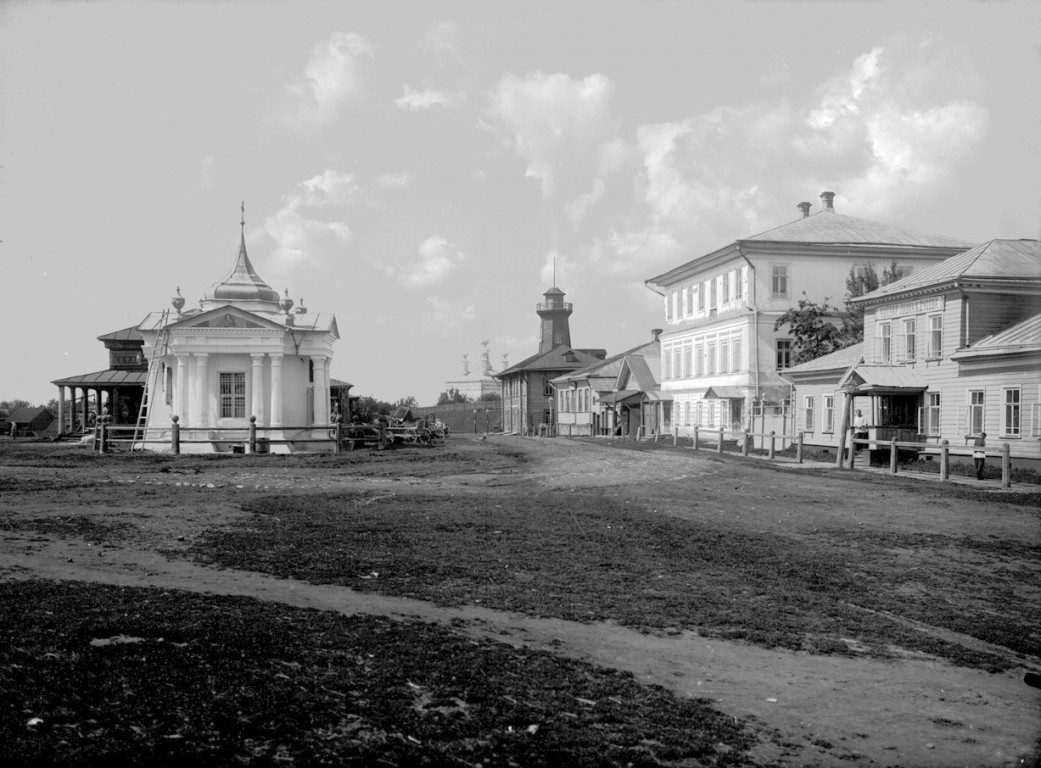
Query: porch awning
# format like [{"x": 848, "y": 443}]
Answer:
[
  {"x": 724, "y": 393},
  {"x": 108, "y": 378},
  {"x": 882, "y": 379},
  {"x": 657, "y": 397}
]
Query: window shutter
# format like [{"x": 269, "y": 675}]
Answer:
[{"x": 921, "y": 421}]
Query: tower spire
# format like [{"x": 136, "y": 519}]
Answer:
[{"x": 243, "y": 222}]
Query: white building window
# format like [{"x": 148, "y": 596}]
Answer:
[
  {"x": 739, "y": 285},
  {"x": 935, "y": 336},
  {"x": 724, "y": 356},
  {"x": 666, "y": 361},
  {"x": 686, "y": 414},
  {"x": 738, "y": 364},
  {"x": 1010, "y": 412},
  {"x": 779, "y": 281},
  {"x": 884, "y": 345},
  {"x": 976, "y": 414},
  {"x": 829, "y": 414},
  {"x": 784, "y": 354},
  {"x": 710, "y": 358},
  {"x": 687, "y": 351},
  {"x": 726, "y": 287},
  {"x": 910, "y": 325},
  {"x": 712, "y": 294},
  {"x": 930, "y": 416},
  {"x": 701, "y": 297},
  {"x": 233, "y": 395},
  {"x": 807, "y": 421}
]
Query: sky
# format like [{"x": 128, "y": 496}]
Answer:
[{"x": 421, "y": 169}]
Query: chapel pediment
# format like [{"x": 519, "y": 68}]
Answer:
[{"x": 226, "y": 317}]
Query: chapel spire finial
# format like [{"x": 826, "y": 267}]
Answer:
[{"x": 243, "y": 222}]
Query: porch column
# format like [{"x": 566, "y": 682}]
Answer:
[
  {"x": 321, "y": 391},
  {"x": 181, "y": 390},
  {"x": 202, "y": 376},
  {"x": 276, "y": 390},
  {"x": 83, "y": 412},
  {"x": 61, "y": 409},
  {"x": 257, "y": 396}
]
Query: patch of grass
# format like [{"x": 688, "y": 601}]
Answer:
[
  {"x": 583, "y": 556},
  {"x": 94, "y": 674},
  {"x": 78, "y": 526}
]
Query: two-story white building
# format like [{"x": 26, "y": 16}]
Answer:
[
  {"x": 949, "y": 353},
  {"x": 721, "y": 356}
]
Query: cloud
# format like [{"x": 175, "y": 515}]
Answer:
[
  {"x": 393, "y": 180},
  {"x": 417, "y": 101},
  {"x": 558, "y": 126},
  {"x": 892, "y": 128},
  {"x": 435, "y": 258},
  {"x": 330, "y": 81},
  {"x": 295, "y": 227},
  {"x": 442, "y": 315}
]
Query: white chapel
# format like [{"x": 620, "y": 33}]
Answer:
[{"x": 244, "y": 354}]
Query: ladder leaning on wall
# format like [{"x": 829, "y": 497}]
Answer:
[{"x": 151, "y": 382}]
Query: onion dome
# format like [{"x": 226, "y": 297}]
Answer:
[{"x": 243, "y": 286}]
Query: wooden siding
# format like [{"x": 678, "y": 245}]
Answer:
[{"x": 988, "y": 313}]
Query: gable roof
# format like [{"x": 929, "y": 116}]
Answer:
[
  {"x": 125, "y": 334},
  {"x": 636, "y": 370},
  {"x": 1022, "y": 337},
  {"x": 28, "y": 414},
  {"x": 838, "y": 228},
  {"x": 996, "y": 259},
  {"x": 554, "y": 360},
  {"x": 608, "y": 368}
]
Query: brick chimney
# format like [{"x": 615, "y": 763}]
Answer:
[
  {"x": 828, "y": 200},
  {"x": 805, "y": 208}
]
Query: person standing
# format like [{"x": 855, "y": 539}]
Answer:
[
  {"x": 860, "y": 429},
  {"x": 979, "y": 454}
]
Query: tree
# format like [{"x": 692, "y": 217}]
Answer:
[
  {"x": 859, "y": 284},
  {"x": 408, "y": 402},
  {"x": 453, "y": 395},
  {"x": 813, "y": 330},
  {"x": 487, "y": 396}
]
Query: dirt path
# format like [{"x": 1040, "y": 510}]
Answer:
[{"x": 823, "y": 710}]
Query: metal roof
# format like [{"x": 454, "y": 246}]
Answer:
[
  {"x": 1007, "y": 259},
  {"x": 106, "y": 378},
  {"x": 841, "y": 358},
  {"x": 125, "y": 334},
  {"x": 829, "y": 227},
  {"x": 1021, "y": 337},
  {"x": 879, "y": 378}
]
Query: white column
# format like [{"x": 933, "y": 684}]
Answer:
[
  {"x": 257, "y": 397},
  {"x": 276, "y": 390},
  {"x": 202, "y": 377},
  {"x": 61, "y": 409},
  {"x": 321, "y": 391},
  {"x": 181, "y": 390}
]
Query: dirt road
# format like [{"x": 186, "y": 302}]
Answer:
[{"x": 815, "y": 710}]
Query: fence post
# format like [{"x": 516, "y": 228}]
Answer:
[
  {"x": 798, "y": 448},
  {"x": 100, "y": 427},
  {"x": 252, "y": 434},
  {"x": 771, "y": 454},
  {"x": 695, "y": 446},
  {"x": 337, "y": 436},
  {"x": 892, "y": 457},
  {"x": 744, "y": 443},
  {"x": 853, "y": 451},
  {"x": 1006, "y": 466},
  {"x": 945, "y": 461},
  {"x": 175, "y": 435},
  {"x": 675, "y": 436},
  {"x": 719, "y": 445}
]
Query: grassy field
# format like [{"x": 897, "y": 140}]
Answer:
[
  {"x": 92, "y": 675},
  {"x": 818, "y": 564}
]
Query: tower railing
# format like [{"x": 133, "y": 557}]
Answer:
[{"x": 565, "y": 305}]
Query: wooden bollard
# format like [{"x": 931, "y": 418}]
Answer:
[
  {"x": 675, "y": 436},
  {"x": 695, "y": 446},
  {"x": 744, "y": 443},
  {"x": 252, "y": 434},
  {"x": 798, "y": 448},
  {"x": 945, "y": 461},
  {"x": 102, "y": 436},
  {"x": 719, "y": 444},
  {"x": 771, "y": 454},
  {"x": 892, "y": 457},
  {"x": 175, "y": 435},
  {"x": 337, "y": 437},
  {"x": 1006, "y": 466}
]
